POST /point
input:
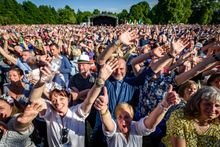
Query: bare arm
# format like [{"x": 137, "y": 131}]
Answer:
[
  {"x": 7, "y": 56},
  {"x": 176, "y": 48},
  {"x": 106, "y": 54},
  {"x": 104, "y": 74},
  {"x": 6, "y": 37},
  {"x": 124, "y": 38},
  {"x": 200, "y": 67},
  {"x": 101, "y": 104},
  {"x": 178, "y": 142},
  {"x": 158, "y": 113},
  {"x": 135, "y": 62},
  {"x": 24, "y": 120}
]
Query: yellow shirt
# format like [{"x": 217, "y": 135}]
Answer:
[{"x": 181, "y": 127}]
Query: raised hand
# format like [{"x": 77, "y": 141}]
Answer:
[
  {"x": 178, "y": 46},
  {"x": 108, "y": 68},
  {"x": 5, "y": 36},
  {"x": 128, "y": 36},
  {"x": 101, "y": 103},
  {"x": 171, "y": 98},
  {"x": 158, "y": 51},
  {"x": 30, "y": 112},
  {"x": 45, "y": 74}
]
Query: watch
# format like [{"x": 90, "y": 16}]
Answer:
[{"x": 99, "y": 82}]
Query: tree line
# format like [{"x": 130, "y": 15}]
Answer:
[{"x": 164, "y": 12}]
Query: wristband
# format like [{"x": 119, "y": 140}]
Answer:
[
  {"x": 162, "y": 107},
  {"x": 104, "y": 113},
  {"x": 170, "y": 55},
  {"x": 99, "y": 82}
]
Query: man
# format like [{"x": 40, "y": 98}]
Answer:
[
  {"x": 81, "y": 82},
  {"x": 120, "y": 87},
  {"x": 65, "y": 66},
  {"x": 20, "y": 62}
]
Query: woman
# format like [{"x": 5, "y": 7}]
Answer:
[
  {"x": 17, "y": 89},
  {"x": 16, "y": 129},
  {"x": 125, "y": 132},
  {"x": 66, "y": 125},
  {"x": 197, "y": 124},
  {"x": 187, "y": 89}
]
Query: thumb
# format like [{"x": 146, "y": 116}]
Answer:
[
  {"x": 170, "y": 88},
  {"x": 105, "y": 91}
]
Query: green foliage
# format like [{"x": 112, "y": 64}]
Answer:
[
  {"x": 166, "y": 11},
  {"x": 205, "y": 11},
  {"x": 140, "y": 11},
  {"x": 123, "y": 16},
  {"x": 96, "y": 12},
  {"x": 83, "y": 16},
  {"x": 67, "y": 16},
  {"x": 48, "y": 14},
  {"x": 172, "y": 11}
]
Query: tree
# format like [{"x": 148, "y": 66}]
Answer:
[
  {"x": 171, "y": 11},
  {"x": 48, "y": 14},
  {"x": 10, "y": 12},
  {"x": 83, "y": 16},
  {"x": 123, "y": 16},
  {"x": 140, "y": 11},
  {"x": 67, "y": 16},
  {"x": 32, "y": 13},
  {"x": 96, "y": 12},
  {"x": 204, "y": 11}
]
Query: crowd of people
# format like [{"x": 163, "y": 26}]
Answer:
[{"x": 123, "y": 86}]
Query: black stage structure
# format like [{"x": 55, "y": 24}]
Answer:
[{"x": 103, "y": 19}]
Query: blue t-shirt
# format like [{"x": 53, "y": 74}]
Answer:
[
  {"x": 23, "y": 66},
  {"x": 122, "y": 91}
]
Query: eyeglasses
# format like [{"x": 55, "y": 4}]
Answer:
[{"x": 64, "y": 135}]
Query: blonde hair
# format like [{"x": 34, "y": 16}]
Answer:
[
  {"x": 75, "y": 52},
  {"x": 126, "y": 107}
]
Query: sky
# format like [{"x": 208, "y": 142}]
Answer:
[{"x": 90, "y": 5}]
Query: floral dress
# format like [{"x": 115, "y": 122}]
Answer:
[{"x": 181, "y": 127}]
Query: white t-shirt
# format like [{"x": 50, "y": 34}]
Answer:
[
  {"x": 137, "y": 131},
  {"x": 72, "y": 121}
]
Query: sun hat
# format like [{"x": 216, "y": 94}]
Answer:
[{"x": 83, "y": 58}]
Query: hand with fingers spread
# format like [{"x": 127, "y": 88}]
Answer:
[
  {"x": 178, "y": 46},
  {"x": 171, "y": 98},
  {"x": 101, "y": 103},
  {"x": 30, "y": 112},
  {"x": 108, "y": 68},
  {"x": 128, "y": 36},
  {"x": 158, "y": 52}
]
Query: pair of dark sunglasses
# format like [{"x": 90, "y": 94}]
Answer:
[{"x": 64, "y": 135}]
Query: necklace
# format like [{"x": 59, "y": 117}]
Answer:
[
  {"x": 201, "y": 123},
  {"x": 201, "y": 128}
]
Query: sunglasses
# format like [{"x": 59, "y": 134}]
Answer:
[{"x": 64, "y": 135}]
